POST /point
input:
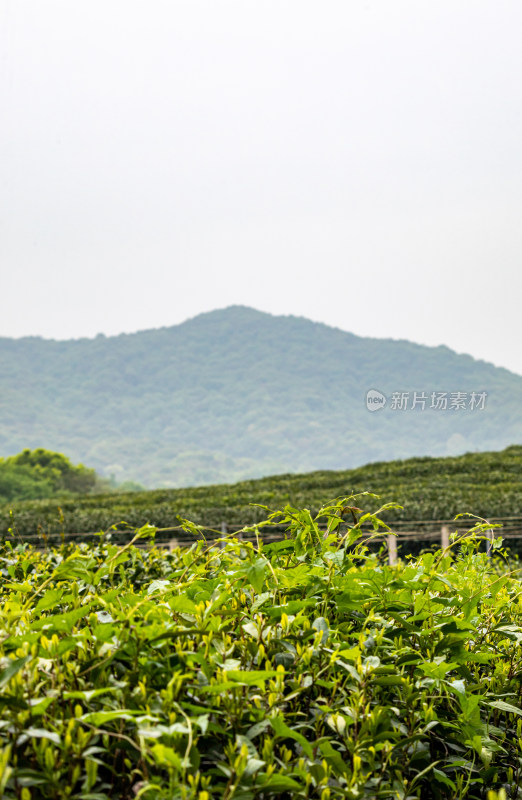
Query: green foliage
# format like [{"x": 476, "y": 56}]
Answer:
[
  {"x": 236, "y": 394},
  {"x": 22, "y": 483},
  {"x": 490, "y": 484},
  {"x": 40, "y": 473},
  {"x": 37, "y": 474},
  {"x": 307, "y": 668}
]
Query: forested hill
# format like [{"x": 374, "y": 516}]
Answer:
[{"x": 238, "y": 393}]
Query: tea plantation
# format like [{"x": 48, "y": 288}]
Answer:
[
  {"x": 488, "y": 484},
  {"x": 307, "y": 668}
]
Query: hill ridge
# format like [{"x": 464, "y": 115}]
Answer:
[
  {"x": 236, "y": 393},
  {"x": 215, "y": 314}
]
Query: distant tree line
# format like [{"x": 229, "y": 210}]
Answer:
[{"x": 39, "y": 474}]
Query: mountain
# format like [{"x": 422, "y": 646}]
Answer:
[{"x": 237, "y": 393}]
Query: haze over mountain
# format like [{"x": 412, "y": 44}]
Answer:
[{"x": 238, "y": 393}]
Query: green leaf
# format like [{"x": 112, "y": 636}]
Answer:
[
  {"x": 104, "y": 632},
  {"x": 93, "y": 796},
  {"x": 158, "y": 586},
  {"x": 166, "y": 756},
  {"x": 50, "y": 598},
  {"x": 251, "y": 629},
  {"x": 182, "y": 605},
  {"x": 282, "y": 730},
  {"x": 388, "y": 680},
  {"x": 258, "y": 728},
  {"x": 332, "y": 757},
  {"x": 292, "y": 607},
  {"x": 458, "y": 685},
  {"x": 10, "y": 671},
  {"x": 256, "y": 574},
  {"x": 252, "y": 677},
  {"x": 219, "y": 688},
  {"x": 253, "y": 765},
  {"x": 503, "y": 706},
  {"x": 75, "y": 568},
  {"x": 31, "y": 777},
  {"x": 38, "y": 733},
  {"x": 100, "y": 717},
  {"x": 19, "y": 587},
  {"x": 39, "y": 705},
  {"x": 88, "y": 694},
  {"x": 62, "y": 622},
  {"x": 279, "y": 783},
  {"x": 353, "y": 653},
  {"x": 284, "y": 546},
  {"x": 320, "y": 624}
]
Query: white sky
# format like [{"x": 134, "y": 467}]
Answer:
[{"x": 358, "y": 163}]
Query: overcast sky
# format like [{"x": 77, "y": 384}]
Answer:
[{"x": 357, "y": 163}]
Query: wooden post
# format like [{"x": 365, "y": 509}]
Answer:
[
  {"x": 491, "y": 537},
  {"x": 444, "y": 537},
  {"x": 392, "y": 549},
  {"x": 224, "y": 531}
]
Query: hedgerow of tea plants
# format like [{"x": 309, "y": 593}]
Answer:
[
  {"x": 307, "y": 668},
  {"x": 429, "y": 488}
]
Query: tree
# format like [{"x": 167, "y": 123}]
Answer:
[{"x": 42, "y": 473}]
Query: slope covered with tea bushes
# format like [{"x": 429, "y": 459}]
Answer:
[
  {"x": 487, "y": 484},
  {"x": 303, "y": 669}
]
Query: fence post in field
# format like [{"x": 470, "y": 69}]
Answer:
[
  {"x": 491, "y": 537},
  {"x": 224, "y": 532},
  {"x": 444, "y": 537},
  {"x": 392, "y": 549}
]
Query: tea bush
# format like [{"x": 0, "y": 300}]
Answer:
[
  {"x": 429, "y": 488},
  {"x": 307, "y": 668}
]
